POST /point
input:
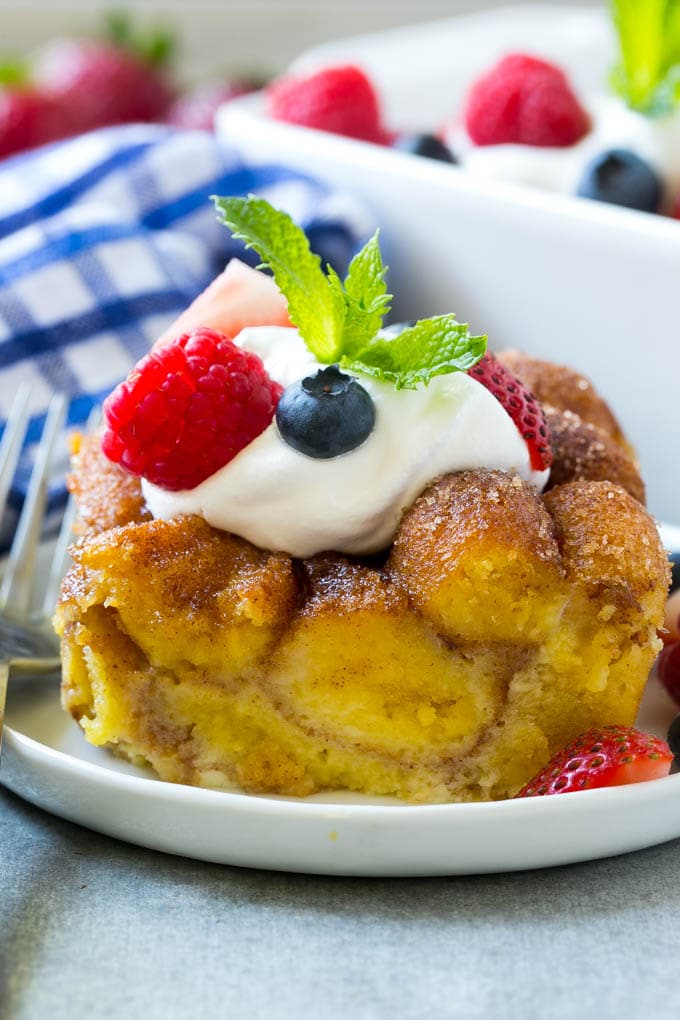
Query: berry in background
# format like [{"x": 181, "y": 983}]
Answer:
[{"x": 526, "y": 101}]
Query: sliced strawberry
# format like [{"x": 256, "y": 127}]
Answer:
[
  {"x": 521, "y": 405},
  {"x": 238, "y": 297},
  {"x": 611, "y": 756}
]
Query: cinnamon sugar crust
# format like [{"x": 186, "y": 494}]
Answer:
[
  {"x": 584, "y": 451},
  {"x": 564, "y": 389}
]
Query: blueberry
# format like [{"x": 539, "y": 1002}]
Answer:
[
  {"x": 622, "y": 178},
  {"x": 673, "y": 738},
  {"x": 325, "y": 414},
  {"x": 424, "y": 145}
]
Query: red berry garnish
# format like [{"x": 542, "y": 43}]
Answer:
[
  {"x": 341, "y": 100},
  {"x": 668, "y": 669},
  {"x": 187, "y": 409},
  {"x": 611, "y": 756},
  {"x": 29, "y": 117},
  {"x": 521, "y": 405},
  {"x": 527, "y": 101}
]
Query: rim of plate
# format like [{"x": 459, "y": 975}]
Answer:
[{"x": 592, "y": 800}]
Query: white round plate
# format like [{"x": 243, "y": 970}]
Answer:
[{"x": 46, "y": 760}]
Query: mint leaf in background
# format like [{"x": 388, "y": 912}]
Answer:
[
  {"x": 648, "y": 73},
  {"x": 432, "y": 347},
  {"x": 366, "y": 297},
  {"x": 283, "y": 247}
]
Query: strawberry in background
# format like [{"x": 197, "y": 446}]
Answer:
[
  {"x": 76, "y": 85},
  {"x": 120, "y": 79}
]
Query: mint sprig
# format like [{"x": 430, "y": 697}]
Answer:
[
  {"x": 340, "y": 321},
  {"x": 647, "y": 75}
]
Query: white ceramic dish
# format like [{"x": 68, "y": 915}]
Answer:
[
  {"x": 46, "y": 760},
  {"x": 575, "y": 281}
]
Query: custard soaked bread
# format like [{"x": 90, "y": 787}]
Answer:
[
  {"x": 337, "y": 557},
  {"x": 502, "y": 625}
]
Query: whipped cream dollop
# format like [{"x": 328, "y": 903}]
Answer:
[
  {"x": 283, "y": 500},
  {"x": 614, "y": 126}
]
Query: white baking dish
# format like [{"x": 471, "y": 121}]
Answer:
[{"x": 580, "y": 282}]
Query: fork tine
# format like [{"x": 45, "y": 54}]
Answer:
[
  {"x": 17, "y": 582},
  {"x": 65, "y": 537},
  {"x": 58, "y": 567},
  {"x": 12, "y": 440}
]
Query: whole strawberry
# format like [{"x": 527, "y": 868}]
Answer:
[
  {"x": 187, "y": 409},
  {"x": 341, "y": 100},
  {"x": 611, "y": 756},
  {"x": 102, "y": 83},
  {"x": 29, "y": 117},
  {"x": 526, "y": 101},
  {"x": 521, "y": 405}
]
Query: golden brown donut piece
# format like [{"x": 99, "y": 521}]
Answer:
[
  {"x": 478, "y": 556},
  {"x": 584, "y": 451},
  {"x": 106, "y": 495},
  {"x": 610, "y": 543},
  {"x": 564, "y": 389},
  {"x": 182, "y": 591}
]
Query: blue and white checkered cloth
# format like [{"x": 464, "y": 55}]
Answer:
[{"x": 105, "y": 238}]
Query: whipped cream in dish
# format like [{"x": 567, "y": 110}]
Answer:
[
  {"x": 614, "y": 125},
  {"x": 283, "y": 500}
]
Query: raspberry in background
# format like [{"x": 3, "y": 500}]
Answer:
[
  {"x": 526, "y": 101},
  {"x": 341, "y": 100},
  {"x": 520, "y": 404},
  {"x": 611, "y": 756},
  {"x": 187, "y": 409}
]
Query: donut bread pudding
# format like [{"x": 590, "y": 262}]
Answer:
[{"x": 499, "y": 625}]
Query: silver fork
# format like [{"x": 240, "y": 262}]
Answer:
[{"x": 27, "y": 643}]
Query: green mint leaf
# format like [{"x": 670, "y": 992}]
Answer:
[
  {"x": 340, "y": 322},
  {"x": 432, "y": 347},
  {"x": 647, "y": 75},
  {"x": 367, "y": 300},
  {"x": 313, "y": 306}
]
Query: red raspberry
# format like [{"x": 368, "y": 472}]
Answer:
[
  {"x": 187, "y": 409},
  {"x": 341, "y": 100},
  {"x": 521, "y": 405},
  {"x": 611, "y": 756},
  {"x": 526, "y": 101}
]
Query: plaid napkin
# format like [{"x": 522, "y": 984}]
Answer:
[{"x": 105, "y": 238}]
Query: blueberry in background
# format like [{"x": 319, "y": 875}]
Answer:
[
  {"x": 424, "y": 145},
  {"x": 326, "y": 414},
  {"x": 621, "y": 177}
]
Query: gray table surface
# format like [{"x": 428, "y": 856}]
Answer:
[{"x": 93, "y": 928}]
